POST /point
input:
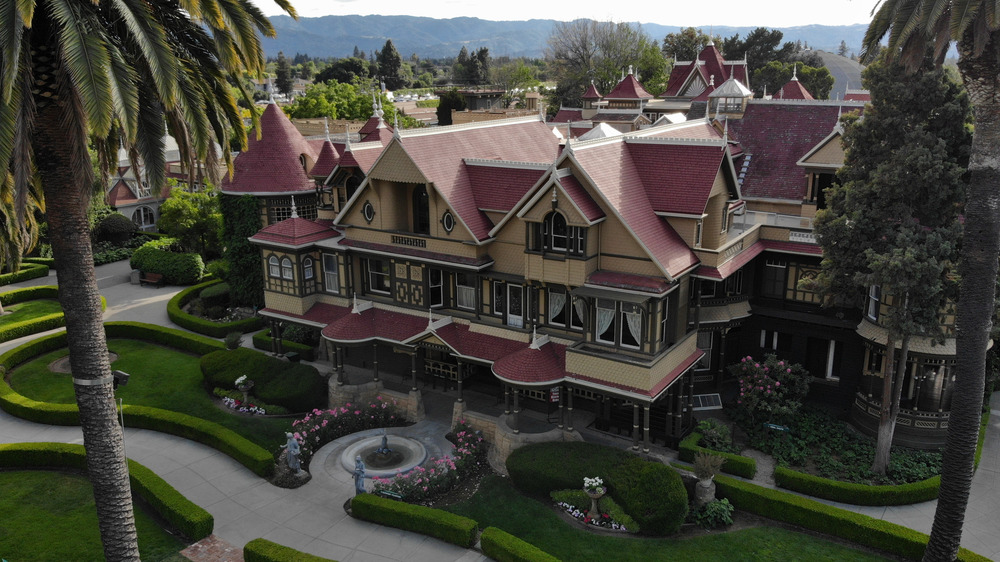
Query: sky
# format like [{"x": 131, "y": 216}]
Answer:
[{"x": 767, "y": 13}]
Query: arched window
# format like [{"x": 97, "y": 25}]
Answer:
[
  {"x": 421, "y": 211},
  {"x": 555, "y": 225},
  {"x": 286, "y": 268},
  {"x": 273, "y": 269},
  {"x": 307, "y": 268}
]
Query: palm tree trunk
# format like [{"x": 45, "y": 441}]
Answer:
[
  {"x": 68, "y": 197},
  {"x": 978, "y": 268}
]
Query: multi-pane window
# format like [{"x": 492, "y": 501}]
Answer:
[
  {"x": 705, "y": 340},
  {"x": 774, "y": 278},
  {"x": 604, "y": 329},
  {"x": 273, "y": 267},
  {"x": 465, "y": 291},
  {"x": 734, "y": 284},
  {"x": 631, "y": 325},
  {"x": 331, "y": 273},
  {"x": 874, "y": 300},
  {"x": 286, "y": 269},
  {"x": 434, "y": 289},
  {"x": 307, "y": 268},
  {"x": 499, "y": 298},
  {"x": 618, "y": 323},
  {"x": 378, "y": 276},
  {"x": 553, "y": 234}
]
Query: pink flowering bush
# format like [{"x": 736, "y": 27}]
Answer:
[
  {"x": 421, "y": 483},
  {"x": 771, "y": 390},
  {"x": 319, "y": 427}
]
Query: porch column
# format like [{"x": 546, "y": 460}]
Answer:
[
  {"x": 562, "y": 413},
  {"x": 506, "y": 399},
  {"x": 678, "y": 410},
  {"x": 635, "y": 426},
  {"x": 277, "y": 348},
  {"x": 645, "y": 428},
  {"x": 515, "y": 418},
  {"x": 569, "y": 409},
  {"x": 697, "y": 298},
  {"x": 375, "y": 361},
  {"x": 338, "y": 367},
  {"x": 413, "y": 369},
  {"x": 722, "y": 359},
  {"x": 460, "y": 377}
]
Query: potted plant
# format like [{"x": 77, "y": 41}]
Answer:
[
  {"x": 706, "y": 466},
  {"x": 243, "y": 384},
  {"x": 595, "y": 490}
]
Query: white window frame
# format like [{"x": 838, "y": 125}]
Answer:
[
  {"x": 614, "y": 315},
  {"x": 331, "y": 273},
  {"x": 307, "y": 269},
  {"x": 706, "y": 362},
  {"x": 435, "y": 288},
  {"x": 465, "y": 293},
  {"x": 574, "y": 314},
  {"x": 287, "y": 271},
  {"x": 874, "y": 302},
  {"x": 273, "y": 267},
  {"x": 373, "y": 275}
]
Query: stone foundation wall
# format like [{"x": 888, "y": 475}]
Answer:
[{"x": 411, "y": 404}]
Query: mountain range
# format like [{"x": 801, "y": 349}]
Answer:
[{"x": 336, "y": 36}]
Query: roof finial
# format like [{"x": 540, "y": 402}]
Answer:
[
  {"x": 725, "y": 135},
  {"x": 732, "y": 69},
  {"x": 347, "y": 138},
  {"x": 295, "y": 213},
  {"x": 795, "y": 69},
  {"x": 711, "y": 80},
  {"x": 765, "y": 92},
  {"x": 326, "y": 127},
  {"x": 630, "y": 69},
  {"x": 430, "y": 317}
]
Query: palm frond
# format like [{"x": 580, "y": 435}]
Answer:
[
  {"x": 877, "y": 29},
  {"x": 11, "y": 34},
  {"x": 125, "y": 93},
  {"x": 243, "y": 32},
  {"x": 84, "y": 52},
  {"x": 150, "y": 37},
  {"x": 149, "y": 142},
  {"x": 963, "y": 12},
  {"x": 287, "y": 7},
  {"x": 179, "y": 131},
  {"x": 22, "y": 156}
]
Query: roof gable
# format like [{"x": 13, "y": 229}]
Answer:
[
  {"x": 294, "y": 232},
  {"x": 628, "y": 89}
]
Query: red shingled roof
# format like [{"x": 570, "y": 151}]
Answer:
[
  {"x": 295, "y": 231},
  {"x": 631, "y": 281},
  {"x": 375, "y": 323},
  {"x": 500, "y": 188},
  {"x": 271, "y": 163},
  {"x": 612, "y": 170},
  {"x": 792, "y": 247},
  {"x": 657, "y": 388},
  {"x": 545, "y": 365},
  {"x": 714, "y": 65},
  {"x": 120, "y": 194},
  {"x": 474, "y": 344},
  {"x": 581, "y": 198},
  {"x": 327, "y": 161},
  {"x": 380, "y": 134},
  {"x": 361, "y": 156},
  {"x": 731, "y": 266},
  {"x": 371, "y": 125},
  {"x": 567, "y": 116},
  {"x": 591, "y": 93},
  {"x": 775, "y": 135},
  {"x": 678, "y": 178},
  {"x": 629, "y": 89},
  {"x": 440, "y": 157},
  {"x": 794, "y": 90},
  {"x": 858, "y": 95},
  {"x": 417, "y": 253}
]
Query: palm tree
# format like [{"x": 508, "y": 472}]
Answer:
[
  {"x": 911, "y": 25},
  {"x": 18, "y": 230},
  {"x": 112, "y": 73}
]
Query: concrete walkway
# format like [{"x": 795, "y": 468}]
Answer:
[{"x": 312, "y": 518}]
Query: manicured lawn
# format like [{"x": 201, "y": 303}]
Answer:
[
  {"x": 51, "y": 516},
  {"x": 498, "y": 504},
  {"x": 27, "y": 310},
  {"x": 161, "y": 377}
]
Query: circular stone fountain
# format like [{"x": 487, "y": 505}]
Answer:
[{"x": 404, "y": 454}]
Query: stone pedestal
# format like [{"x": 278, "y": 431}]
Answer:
[
  {"x": 704, "y": 492},
  {"x": 457, "y": 413},
  {"x": 415, "y": 406},
  {"x": 595, "y": 497},
  {"x": 285, "y": 477}
]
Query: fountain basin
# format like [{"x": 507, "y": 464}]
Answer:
[{"x": 407, "y": 454}]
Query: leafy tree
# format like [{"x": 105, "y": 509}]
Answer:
[
  {"x": 194, "y": 219},
  {"x": 390, "y": 67},
  {"x": 893, "y": 223},
  {"x": 773, "y": 75},
  {"x": 911, "y": 25},
  {"x": 107, "y": 74},
  {"x": 685, "y": 44},
  {"x": 760, "y": 47},
  {"x": 514, "y": 76},
  {"x": 344, "y": 70},
  {"x": 449, "y": 101},
  {"x": 343, "y": 101},
  {"x": 283, "y": 75},
  {"x": 842, "y": 50},
  {"x": 585, "y": 50},
  {"x": 771, "y": 390},
  {"x": 306, "y": 70}
]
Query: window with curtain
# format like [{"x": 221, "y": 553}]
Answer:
[
  {"x": 604, "y": 329},
  {"x": 465, "y": 291},
  {"x": 557, "y": 307},
  {"x": 286, "y": 269},
  {"x": 331, "y": 273},
  {"x": 577, "y": 314},
  {"x": 631, "y": 325}
]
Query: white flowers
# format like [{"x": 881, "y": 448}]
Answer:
[
  {"x": 241, "y": 380},
  {"x": 592, "y": 484}
]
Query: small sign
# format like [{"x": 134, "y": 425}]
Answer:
[
  {"x": 554, "y": 394},
  {"x": 776, "y": 427}
]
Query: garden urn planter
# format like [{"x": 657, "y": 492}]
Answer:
[
  {"x": 704, "y": 491},
  {"x": 245, "y": 389},
  {"x": 595, "y": 496}
]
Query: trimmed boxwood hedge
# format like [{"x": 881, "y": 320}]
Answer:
[
  {"x": 262, "y": 341},
  {"x": 263, "y": 550},
  {"x": 425, "y": 520},
  {"x": 201, "y": 325},
  {"x": 505, "y": 547},
  {"x": 51, "y": 262},
  {"x": 857, "y": 494},
  {"x": 192, "y": 521},
  {"x": 652, "y": 493},
  {"x": 28, "y": 271},
  {"x": 737, "y": 465},
  {"x": 177, "y": 268},
  {"x": 247, "y": 453},
  {"x": 817, "y": 516},
  {"x": 295, "y": 386},
  {"x": 34, "y": 325}
]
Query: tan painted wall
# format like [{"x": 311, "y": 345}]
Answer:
[
  {"x": 636, "y": 376},
  {"x": 789, "y": 208},
  {"x": 832, "y": 153}
]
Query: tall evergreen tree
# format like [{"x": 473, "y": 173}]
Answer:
[
  {"x": 390, "y": 65},
  {"x": 106, "y": 74},
  {"x": 891, "y": 229},
  {"x": 283, "y": 75}
]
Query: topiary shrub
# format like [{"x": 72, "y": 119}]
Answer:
[
  {"x": 652, "y": 493},
  {"x": 233, "y": 340},
  {"x": 215, "y": 295},
  {"x": 263, "y": 550},
  {"x": 295, "y": 386},
  {"x": 540, "y": 468},
  {"x": 115, "y": 228},
  {"x": 157, "y": 256}
]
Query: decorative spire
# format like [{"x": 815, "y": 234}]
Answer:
[
  {"x": 295, "y": 213},
  {"x": 711, "y": 80},
  {"x": 430, "y": 318},
  {"x": 555, "y": 197},
  {"x": 630, "y": 69},
  {"x": 347, "y": 138},
  {"x": 326, "y": 127},
  {"x": 795, "y": 69},
  {"x": 725, "y": 135},
  {"x": 765, "y": 91}
]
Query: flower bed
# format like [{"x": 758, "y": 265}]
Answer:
[
  {"x": 602, "y": 520},
  {"x": 320, "y": 427},
  {"x": 422, "y": 483}
]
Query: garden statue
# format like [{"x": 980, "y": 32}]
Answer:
[
  {"x": 292, "y": 457},
  {"x": 359, "y": 476},
  {"x": 384, "y": 447}
]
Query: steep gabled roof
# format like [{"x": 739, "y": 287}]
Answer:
[
  {"x": 381, "y": 134},
  {"x": 294, "y": 233},
  {"x": 327, "y": 161},
  {"x": 567, "y": 116},
  {"x": 794, "y": 90},
  {"x": 677, "y": 178},
  {"x": 121, "y": 194},
  {"x": 707, "y": 65},
  {"x": 775, "y": 135},
  {"x": 591, "y": 93},
  {"x": 361, "y": 155},
  {"x": 498, "y": 186},
  {"x": 628, "y": 89},
  {"x": 271, "y": 164}
]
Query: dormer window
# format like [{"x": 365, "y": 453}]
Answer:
[
  {"x": 554, "y": 235},
  {"x": 302, "y": 161},
  {"x": 421, "y": 211}
]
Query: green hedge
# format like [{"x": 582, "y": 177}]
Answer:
[
  {"x": 263, "y": 550},
  {"x": 295, "y": 386},
  {"x": 424, "y": 520},
  {"x": 192, "y": 521},
  {"x": 34, "y": 325},
  {"x": 817, "y": 516},
  {"x": 857, "y": 494},
  {"x": 50, "y": 262},
  {"x": 505, "y": 547},
  {"x": 247, "y": 453},
  {"x": 201, "y": 325},
  {"x": 262, "y": 341},
  {"x": 737, "y": 465},
  {"x": 28, "y": 271},
  {"x": 652, "y": 493},
  {"x": 177, "y": 268}
]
